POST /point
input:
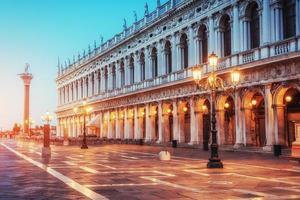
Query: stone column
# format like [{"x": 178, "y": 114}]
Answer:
[
  {"x": 211, "y": 35},
  {"x": 160, "y": 62},
  {"x": 240, "y": 138},
  {"x": 219, "y": 44},
  {"x": 148, "y": 70},
  {"x": 174, "y": 53},
  {"x": 198, "y": 51},
  {"x": 236, "y": 28},
  {"x": 266, "y": 27},
  {"x": 117, "y": 124},
  {"x": 118, "y": 75},
  {"x": 136, "y": 123},
  {"x": 175, "y": 119},
  {"x": 137, "y": 68},
  {"x": 109, "y": 125},
  {"x": 126, "y": 124},
  {"x": 269, "y": 118},
  {"x": 279, "y": 124},
  {"x": 220, "y": 124},
  {"x": 160, "y": 123},
  {"x": 278, "y": 22},
  {"x": 102, "y": 81},
  {"x": 148, "y": 122},
  {"x": 191, "y": 46},
  {"x": 194, "y": 123},
  {"x": 246, "y": 34}
]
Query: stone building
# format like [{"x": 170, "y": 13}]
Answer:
[{"x": 140, "y": 82}]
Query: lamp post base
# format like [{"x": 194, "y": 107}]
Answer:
[
  {"x": 214, "y": 163},
  {"x": 84, "y": 146},
  {"x": 46, "y": 152}
]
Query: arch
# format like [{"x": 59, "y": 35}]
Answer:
[
  {"x": 278, "y": 97},
  {"x": 203, "y": 43},
  {"x": 245, "y": 6},
  {"x": 184, "y": 50},
  {"x": 168, "y": 56},
  {"x": 154, "y": 62},
  {"x": 254, "y": 117}
]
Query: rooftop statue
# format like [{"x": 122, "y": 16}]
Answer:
[{"x": 27, "y": 68}]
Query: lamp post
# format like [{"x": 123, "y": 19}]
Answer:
[
  {"x": 83, "y": 109},
  {"x": 213, "y": 83},
  {"x": 46, "y": 151}
]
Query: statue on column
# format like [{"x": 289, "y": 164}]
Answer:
[{"x": 27, "y": 68}]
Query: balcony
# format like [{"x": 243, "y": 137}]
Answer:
[{"x": 240, "y": 59}]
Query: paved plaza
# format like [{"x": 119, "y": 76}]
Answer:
[{"x": 134, "y": 172}]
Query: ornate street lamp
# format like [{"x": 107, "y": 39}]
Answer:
[
  {"x": 213, "y": 83},
  {"x": 83, "y": 110}
]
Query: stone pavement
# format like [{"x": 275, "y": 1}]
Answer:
[{"x": 134, "y": 172}]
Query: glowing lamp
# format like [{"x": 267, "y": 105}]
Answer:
[
  {"x": 213, "y": 60},
  {"x": 235, "y": 77},
  {"x": 288, "y": 99},
  {"x": 185, "y": 109},
  {"x": 226, "y": 105},
  {"x": 197, "y": 74},
  {"x": 253, "y": 102}
]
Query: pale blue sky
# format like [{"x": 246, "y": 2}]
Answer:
[{"x": 38, "y": 31}]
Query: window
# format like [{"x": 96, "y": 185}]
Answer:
[
  {"x": 203, "y": 50},
  {"x": 289, "y": 18},
  {"x": 226, "y": 28},
  {"x": 184, "y": 51},
  {"x": 154, "y": 63},
  {"x": 105, "y": 79},
  {"x": 168, "y": 57},
  {"x": 87, "y": 86},
  {"x": 99, "y": 82}
]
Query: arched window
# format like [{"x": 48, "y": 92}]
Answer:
[
  {"x": 168, "y": 57},
  {"x": 225, "y": 36},
  {"x": 76, "y": 87},
  {"x": 143, "y": 69},
  {"x": 203, "y": 50},
  {"x": 184, "y": 50},
  {"x": 113, "y": 73},
  {"x": 154, "y": 62},
  {"x": 289, "y": 18},
  {"x": 254, "y": 26},
  {"x": 122, "y": 71},
  {"x": 131, "y": 68}
]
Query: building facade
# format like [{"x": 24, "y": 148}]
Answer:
[{"x": 140, "y": 84}]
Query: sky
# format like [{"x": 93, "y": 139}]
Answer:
[{"x": 38, "y": 32}]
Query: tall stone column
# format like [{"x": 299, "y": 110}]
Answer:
[
  {"x": 160, "y": 123},
  {"x": 278, "y": 22},
  {"x": 266, "y": 25},
  {"x": 102, "y": 81},
  {"x": 193, "y": 123},
  {"x": 174, "y": 53},
  {"x": 148, "y": 122},
  {"x": 191, "y": 46},
  {"x": 26, "y": 77},
  {"x": 269, "y": 118},
  {"x": 118, "y": 133},
  {"x": 175, "y": 119},
  {"x": 240, "y": 139},
  {"x": 236, "y": 28},
  {"x": 220, "y": 124},
  {"x": 211, "y": 35},
  {"x": 136, "y": 123}
]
